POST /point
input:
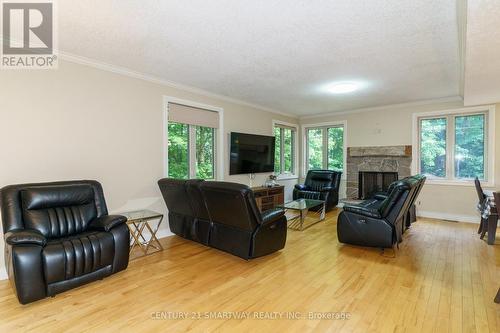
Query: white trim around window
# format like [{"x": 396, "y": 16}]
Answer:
[
  {"x": 295, "y": 173},
  {"x": 219, "y": 145},
  {"x": 305, "y": 127},
  {"x": 489, "y": 167}
]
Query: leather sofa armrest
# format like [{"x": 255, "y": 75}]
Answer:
[
  {"x": 271, "y": 215},
  {"x": 107, "y": 222},
  {"x": 366, "y": 211},
  {"x": 301, "y": 187},
  {"x": 326, "y": 189},
  {"x": 25, "y": 236}
]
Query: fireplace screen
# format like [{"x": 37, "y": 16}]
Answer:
[{"x": 371, "y": 182}]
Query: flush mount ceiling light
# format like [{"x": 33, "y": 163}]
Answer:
[{"x": 342, "y": 87}]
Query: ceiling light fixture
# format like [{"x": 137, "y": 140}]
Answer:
[{"x": 342, "y": 87}]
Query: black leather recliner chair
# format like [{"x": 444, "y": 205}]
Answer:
[
  {"x": 378, "y": 223},
  {"x": 238, "y": 227},
  {"x": 59, "y": 236},
  {"x": 224, "y": 216},
  {"x": 410, "y": 216},
  {"x": 320, "y": 185}
]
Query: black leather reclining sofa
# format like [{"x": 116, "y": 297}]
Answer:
[
  {"x": 224, "y": 216},
  {"x": 380, "y": 221}
]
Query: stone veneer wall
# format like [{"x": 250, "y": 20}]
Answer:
[{"x": 384, "y": 158}]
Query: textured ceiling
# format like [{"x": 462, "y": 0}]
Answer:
[
  {"x": 482, "y": 61},
  {"x": 276, "y": 53}
]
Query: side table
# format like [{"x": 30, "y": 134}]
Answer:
[{"x": 140, "y": 221}]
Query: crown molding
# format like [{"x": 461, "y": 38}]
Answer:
[
  {"x": 386, "y": 107},
  {"x": 157, "y": 80}
]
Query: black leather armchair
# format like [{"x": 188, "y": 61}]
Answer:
[
  {"x": 378, "y": 223},
  {"x": 320, "y": 185},
  {"x": 59, "y": 236},
  {"x": 224, "y": 216}
]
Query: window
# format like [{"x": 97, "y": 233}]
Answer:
[
  {"x": 284, "y": 153},
  {"x": 454, "y": 146},
  {"x": 325, "y": 147},
  {"x": 191, "y": 150},
  {"x": 180, "y": 151}
]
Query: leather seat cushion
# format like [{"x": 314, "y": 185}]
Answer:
[{"x": 71, "y": 257}]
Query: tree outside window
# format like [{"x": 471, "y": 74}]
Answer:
[
  {"x": 185, "y": 141},
  {"x": 453, "y": 146},
  {"x": 325, "y": 148},
  {"x": 284, "y": 152}
]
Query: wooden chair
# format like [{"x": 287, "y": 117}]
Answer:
[
  {"x": 482, "y": 201},
  {"x": 496, "y": 195},
  {"x": 492, "y": 221}
]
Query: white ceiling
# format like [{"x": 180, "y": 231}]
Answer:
[
  {"x": 482, "y": 60},
  {"x": 276, "y": 54}
]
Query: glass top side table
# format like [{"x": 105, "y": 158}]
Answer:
[{"x": 144, "y": 225}]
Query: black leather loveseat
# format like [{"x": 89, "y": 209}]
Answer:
[
  {"x": 320, "y": 185},
  {"x": 379, "y": 222},
  {"x": 59, "y": 236},
  {"x": 224, "y": 216}
]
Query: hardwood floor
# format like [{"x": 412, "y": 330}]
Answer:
[{"x": 444, "y": 278}]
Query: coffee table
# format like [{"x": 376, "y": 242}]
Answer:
[{"x": 302, "y": 206}]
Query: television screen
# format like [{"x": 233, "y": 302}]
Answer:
[{"x": 251, "y": 153}]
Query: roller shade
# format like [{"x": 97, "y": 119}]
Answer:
[{"x": 184, "y": 114}]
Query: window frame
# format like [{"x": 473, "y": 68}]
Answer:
[
  {"x": 489, "y": 144},
  {"x": 218, "y": 138},
  {"x": 305, "y": 146},
  {"x": 295, "y": 149}
]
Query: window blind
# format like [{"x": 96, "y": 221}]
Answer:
[{"x": 184, "y": 114}]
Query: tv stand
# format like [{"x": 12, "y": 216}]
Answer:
[{"x": 269, "y": 197}]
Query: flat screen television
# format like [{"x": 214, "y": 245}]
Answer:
[{"x": 251, "y": 153}]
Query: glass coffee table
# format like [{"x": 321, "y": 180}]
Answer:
[{"x": 301, "y": 220}]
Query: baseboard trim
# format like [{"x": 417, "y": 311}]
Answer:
[
  {"x": 164, "y": 233},
  {"x": 3, "y": 273},
  {"x": 449, "y": 217}
]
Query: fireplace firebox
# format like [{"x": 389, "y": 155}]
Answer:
[{"x": 371, "y": 182}]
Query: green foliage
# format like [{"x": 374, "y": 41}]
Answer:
[
  {"x": 433, "y": 147},
  {"x": 315, "y": 148},
  {"x": 277, "y": 150},
  {"x": 178, "y": 151},
  {"x": 205, "y": 152},
  {"x": 334, "y": 149},
  {"x": 287, "y": 136},
  {"x": 469, "y": 146},
  {"x": 178, "y": 157},
  {"x": 288, "y": 150}
]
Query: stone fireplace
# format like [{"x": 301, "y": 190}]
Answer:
[{"x": 382, "y": 161}]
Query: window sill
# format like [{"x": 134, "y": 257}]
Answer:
[
  {"x": 287, "y": 177},
  {"x": 469, "y": 183}
]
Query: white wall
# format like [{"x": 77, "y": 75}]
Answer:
[
  {"x": 79, "y": 122},
  {"x": 393, "y": 126}
]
